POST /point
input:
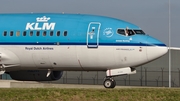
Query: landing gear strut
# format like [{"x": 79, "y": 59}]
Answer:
[{"x": 109, "y": 82}]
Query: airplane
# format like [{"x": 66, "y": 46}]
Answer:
[{"x": 40, "y": 46}]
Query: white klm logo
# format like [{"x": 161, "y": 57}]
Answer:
[{"x": 44, "y": 26}]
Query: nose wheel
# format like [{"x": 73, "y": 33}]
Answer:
[{"x": 109, "y": 82}]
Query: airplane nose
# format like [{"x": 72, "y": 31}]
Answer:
[{"x": 155, "y": 49}]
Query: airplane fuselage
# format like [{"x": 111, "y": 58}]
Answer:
[{"x": 73, "y": 42}]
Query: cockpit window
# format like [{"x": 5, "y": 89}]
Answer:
[
  {"x": 126, "y": 32},
  {"x": 121, "y": 31},
  {"x": 139, "y": 32},
  {"x": 129, "y": 32}
]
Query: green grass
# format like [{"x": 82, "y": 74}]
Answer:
[{"x": 57, "y": 94}]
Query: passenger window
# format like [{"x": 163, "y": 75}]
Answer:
[
  {"x": 31, "y": 33},
  {"x": 44, "y": 33},
  {"x": 11, "y": 33},
  {"x": 5, "y": 33},
  {"x": 51, "y": 33},
  {"x": 18, "y": 33},
  {"x": 121, "y": 31},
  {"x": 37, "y": 33},
  {"x": 58, "y": 33},
  {"x": 24, "y": 33},
  {"x": 65, "y": 33}
]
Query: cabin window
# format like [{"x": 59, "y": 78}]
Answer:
[
  {"x": 139, "y": 32},
  {"x": 18, "y": 33},
  {"x": 121, "y": 31},
  {"x": 65, "y": 33},
  {"x": 11, "y": 33},
  {"x": 5, "y": 33},
  {"x": 31, "y": 33},
  {"x": 51, "y": 33},
  {"x": 44, "y": 33},
  {"x": 58, "y": 33},
  {"x": 37, "y": 33},
  {"x": 24, "y": 33}
]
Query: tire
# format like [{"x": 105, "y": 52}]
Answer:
[
  {"x": 113, "y": 84},
  {"x": 107, "y": 83}
]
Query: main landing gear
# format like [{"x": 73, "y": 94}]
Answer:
[{"x": 109, "y": 82}]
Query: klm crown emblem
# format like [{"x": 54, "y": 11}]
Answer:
[{"x": 43, "y": 19}]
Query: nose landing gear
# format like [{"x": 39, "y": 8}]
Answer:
[{"x": 109, "y": 82}]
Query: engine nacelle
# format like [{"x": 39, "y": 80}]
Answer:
[{"x": 35, "y": 75}]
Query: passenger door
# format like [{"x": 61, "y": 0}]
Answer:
[{"x": 93, "y": 34}]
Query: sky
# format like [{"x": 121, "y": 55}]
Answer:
[{"x": 150, "y": 15}]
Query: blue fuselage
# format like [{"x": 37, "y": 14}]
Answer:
[{"x": 68, "y": 29}]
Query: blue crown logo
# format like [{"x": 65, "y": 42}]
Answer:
[{"x": 43, "y": 19}]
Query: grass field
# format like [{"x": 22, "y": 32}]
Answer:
[{"x": 57, "y": 94}]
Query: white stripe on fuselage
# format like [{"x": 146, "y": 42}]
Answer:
[{"x": 78, "y": 57}]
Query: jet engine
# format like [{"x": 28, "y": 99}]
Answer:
[{"x": 35, "y": 75}]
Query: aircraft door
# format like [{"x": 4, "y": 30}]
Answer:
[{"x": 93, "y": 34}]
